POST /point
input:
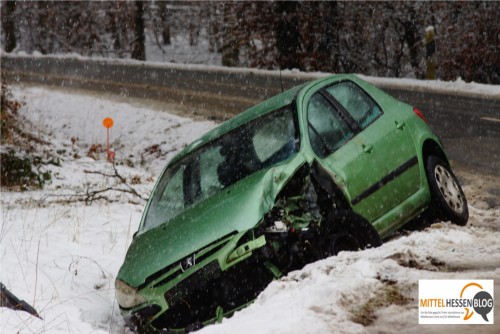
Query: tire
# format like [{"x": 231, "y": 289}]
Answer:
[
  {"x": 448, "y": 201},
  {"x": 345, "y": 230}
]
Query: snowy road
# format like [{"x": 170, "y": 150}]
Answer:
[
  {"x": 61, "y": 255},
  {"x": 467, "y": 119}
]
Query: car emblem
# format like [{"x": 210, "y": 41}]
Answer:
[{"x": 188, "y": 263}]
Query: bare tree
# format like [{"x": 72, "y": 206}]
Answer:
[
  {"x": 230, "y": 47},
  {"x": 288, "y": 39},
  {"x": 139, "y": 49},
  {"x": 8, "y": 25},
  {"x": 164, "y": 24},
  {"x": 215, "y": 25},
  {"x": 468, "y": 44},
  {"x": 320, "y": 36}
]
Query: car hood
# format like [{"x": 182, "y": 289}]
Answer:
[{"x": 235, "y": 209}]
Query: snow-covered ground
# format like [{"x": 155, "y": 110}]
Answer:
[{"x": 61, "y": 254}]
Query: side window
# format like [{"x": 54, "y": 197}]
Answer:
[
  {"x": 275, "y": 140},
  {"x": 359, "y": 104},
  {"x": 327, "y": 130}
]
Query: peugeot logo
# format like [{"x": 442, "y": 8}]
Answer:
[{"x": 188, "y": 263}]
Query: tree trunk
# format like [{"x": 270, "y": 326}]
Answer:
[
  {"x": 9, "y": 26},
  {"x": 139, "y": 50},
  {"x": 230, "y": 48},
  {"x": 163, "y": 13},
  {"x": 288, "y": 35}
]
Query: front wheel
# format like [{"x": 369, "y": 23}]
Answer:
[
  {"x": 447, "y": 196},
  {"x": 345, "y": 230}
]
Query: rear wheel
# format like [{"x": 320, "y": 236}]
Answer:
[
  {"x": 448, "y": 199},
  {"x": 345, "y": 230}
]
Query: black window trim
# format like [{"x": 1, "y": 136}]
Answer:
[
  {"x": 341, "y": 111},
  {"x": 344, "y": 112}
]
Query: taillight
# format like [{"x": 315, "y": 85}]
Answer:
[{"x": 419, "y": 114}]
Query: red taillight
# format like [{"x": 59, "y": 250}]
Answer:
[{"x": 419, "y": 114}]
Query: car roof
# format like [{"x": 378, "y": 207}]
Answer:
[{"x": 273, "y": 103}]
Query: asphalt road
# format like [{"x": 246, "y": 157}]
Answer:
[{"x": 469, "y": 126}]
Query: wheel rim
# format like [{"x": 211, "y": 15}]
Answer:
[{"x": 449, "y": 188}]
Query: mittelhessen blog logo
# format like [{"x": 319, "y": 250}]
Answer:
[{"x": 456, "y": 302}]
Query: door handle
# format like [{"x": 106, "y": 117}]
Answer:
[
  {"x": 400, "y": 125},
  {"x": 367, "y": 148}
]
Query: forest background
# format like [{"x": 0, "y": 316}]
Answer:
[{"x": 384, "y": 39}]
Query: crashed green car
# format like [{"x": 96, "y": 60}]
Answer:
[{"x": 328, "y": 166}]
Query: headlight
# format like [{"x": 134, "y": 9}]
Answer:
[{"x": 127, "y": 296}]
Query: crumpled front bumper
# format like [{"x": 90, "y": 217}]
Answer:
[{"x": 206, "y": 293}]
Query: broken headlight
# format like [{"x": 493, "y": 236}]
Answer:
[{"x": 127, "y": 296}]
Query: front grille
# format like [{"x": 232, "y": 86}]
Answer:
[
  {"x": 200, "y": 256},
  {"x": 196, "y": 299},
  {"x": 194, "y": 282}
]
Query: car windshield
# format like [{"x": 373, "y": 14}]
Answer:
[{"x": 222, "y": 162}]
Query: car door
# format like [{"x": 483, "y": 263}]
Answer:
[
  {"x": 339, "y": 149},
  {"x": 386, "y": 147}
]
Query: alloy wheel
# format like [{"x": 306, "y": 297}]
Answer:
[{"x": 449, "y": 189}]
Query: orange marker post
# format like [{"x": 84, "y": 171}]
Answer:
[{"x": 108, "y": 124}]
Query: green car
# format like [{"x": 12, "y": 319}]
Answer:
[{"x": 332, "y": 165}]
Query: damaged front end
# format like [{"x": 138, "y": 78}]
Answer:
[
  {"x": 204, "y": 293},
  {"x": 229, "y": 273},
  {"x": 238, "y": 209}
]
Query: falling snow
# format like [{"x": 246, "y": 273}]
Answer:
[{"x": 61, "y": 256}]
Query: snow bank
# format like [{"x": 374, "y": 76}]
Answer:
[{"x": 376, "y": 290}]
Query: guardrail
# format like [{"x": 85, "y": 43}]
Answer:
[{"x": 218, "y": 91}]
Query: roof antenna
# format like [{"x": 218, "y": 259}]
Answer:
[{"x": 281, "y": 82}]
